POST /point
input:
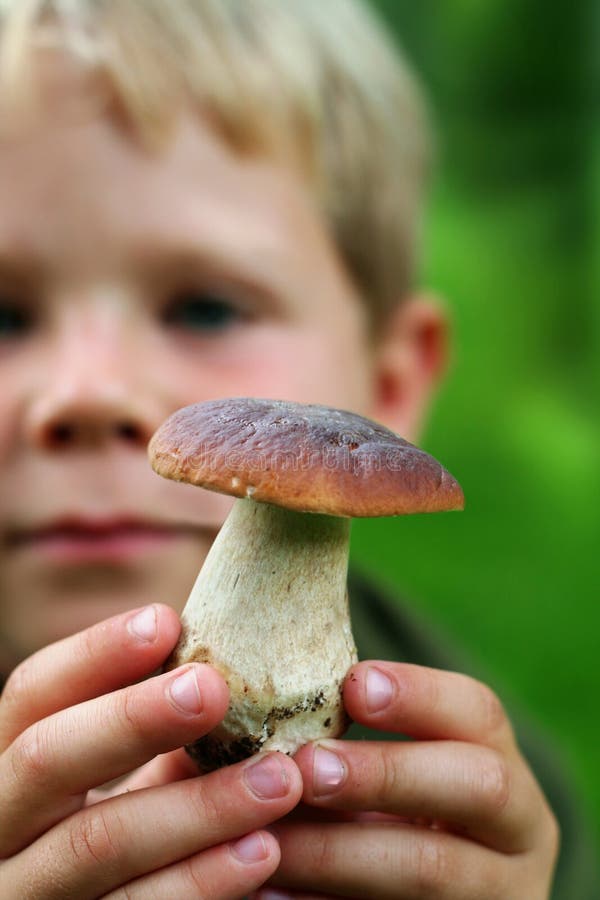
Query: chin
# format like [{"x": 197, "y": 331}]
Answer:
[{"x": 58, "y": 601}]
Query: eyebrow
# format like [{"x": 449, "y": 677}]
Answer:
[
  {"x": 18, "y": 269},
  {"x": 174, "y": 261},
  {"x": 172, "y": 257}
]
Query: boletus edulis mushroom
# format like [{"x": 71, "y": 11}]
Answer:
[{"x": 269, "y": 608}]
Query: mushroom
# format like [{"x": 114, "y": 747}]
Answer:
[{"x": 269, "y": 608}]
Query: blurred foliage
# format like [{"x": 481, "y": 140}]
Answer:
[{"x": 512, "y": 237}]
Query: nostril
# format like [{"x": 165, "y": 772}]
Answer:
[
  {"x": 61, "y": 433},
  {"x": 128, "y": 432},
  {"x": 65, "y": 434}
]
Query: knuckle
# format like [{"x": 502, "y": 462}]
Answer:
[
  {"x": 494, "y": 784},
  {"x": 20, "y": 684},
  {"x": 128, "y": 711},
  {"x": 195, "y": 879},
  {"x": 31, "y": 755},
  {"x": 93, "y": 838},
  {"x": 389, "y": 776},
  {"x": 86, "y": 645},
  {"x": 323, "y": 854},
  {"x": 431, "y": 868},
  {"x": 125, "y": 892},
  {"x": 207, "y": 805},
  {"x": 429, "y": 689}
]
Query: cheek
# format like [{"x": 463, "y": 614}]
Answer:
[
  {"x": 307, "y": 365},
  {"x": 318, "y": 369},
  {"x": 7, "y": 422},
  {"x": 19, "y": 370}
]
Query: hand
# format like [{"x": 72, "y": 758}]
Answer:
[
  {"x": 71, "y": 719},
  {"x": 454, "y": 814}
]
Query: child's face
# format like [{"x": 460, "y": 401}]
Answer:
[{"x": 131, "y": 285}]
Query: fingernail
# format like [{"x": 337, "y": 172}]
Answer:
[
  {"x": 267, "y": 778},
  {"x": 185, "y": 694},
  {"x": 251, "y": 848},
  {"x": 143, "y": 625},
  {"x": 379, "y": 690},
  {"x": 328, "y": 771}
]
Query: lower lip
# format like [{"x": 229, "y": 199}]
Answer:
[{"x": 112, "y": 547}]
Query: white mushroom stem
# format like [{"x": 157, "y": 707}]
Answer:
[{"x": 269, "y": 609}]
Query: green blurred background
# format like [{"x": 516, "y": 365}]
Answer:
[{"x": 511, "y": 240}]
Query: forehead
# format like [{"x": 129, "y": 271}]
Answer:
[{"x": 76, "y": 160}]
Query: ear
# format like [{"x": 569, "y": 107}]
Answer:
[{"x": 409, "y": 362}]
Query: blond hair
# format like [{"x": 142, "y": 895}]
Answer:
[{"x": 318, "y": 79}]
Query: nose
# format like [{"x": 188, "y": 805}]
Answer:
[
  {"x": 93, "y": 393},
  {"x": 89, "y": 417}
]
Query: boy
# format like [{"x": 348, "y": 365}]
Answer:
[{"x": 204, "y": 198}]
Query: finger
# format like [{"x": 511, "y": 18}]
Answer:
[
  {"x": 390, "y": 862},
  {"x": 468, "y": 787},
  {"x": 228, "y": 872},
  {"x": 100, "y": 659},
  {"x": 107, "y": 845},
  {"x": 47, "y": 771},
  {"x": 426, "y": 703}
]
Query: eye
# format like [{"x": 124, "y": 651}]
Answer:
[
  {"x": 202, "y": 312},
  {"x": 14, "y": 319}
]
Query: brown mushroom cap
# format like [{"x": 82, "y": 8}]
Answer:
[{"x": 303, "y": 457}]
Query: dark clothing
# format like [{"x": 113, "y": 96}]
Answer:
[{"x": 385, "y": 629}]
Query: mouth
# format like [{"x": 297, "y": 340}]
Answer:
[{"x": 85, "y": 540}]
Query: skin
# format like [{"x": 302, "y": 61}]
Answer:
[{"x": 142, "y": 284}]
